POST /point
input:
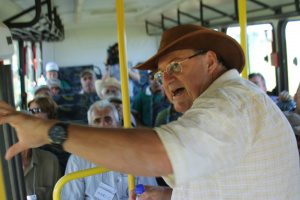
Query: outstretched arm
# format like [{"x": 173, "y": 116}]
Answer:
[{"x": 132, "y": 151}]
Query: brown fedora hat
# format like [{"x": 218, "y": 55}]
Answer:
[{"x": 197, "y": 37}]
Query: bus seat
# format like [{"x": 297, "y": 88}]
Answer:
[
  {"x": 71, "y": 75},
  {"x": 72, "y": 112},
  {"x": 70, "y": 99}
]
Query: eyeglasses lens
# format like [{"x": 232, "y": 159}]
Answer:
[
  {"x": 158, "y": 77},
  {"x": 174, "y": 67}
]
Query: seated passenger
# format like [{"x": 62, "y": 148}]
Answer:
[
  {"x": 41, "y": 168},
  {"x": 259, "y": 80},
  {"x": 42, "y": 90},
  {"x": 44, "y": 107},
  {"x": 167, "y": 115},
  {"x": 110, "y": 89},
  {"x": 54, "y": 85},
  {"x": 285, "y": 101},
  {"x": 41, "y": 172},
  {"x": 101, "y": 114},
  {"x": 142, "y": 104},
  {"x": 52, "y": 72},
  {"x": 87, "y": 80}
]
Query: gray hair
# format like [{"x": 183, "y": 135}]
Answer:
[{"x": 102, "y": 104}]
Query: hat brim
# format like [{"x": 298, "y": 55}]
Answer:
[{"x": 218, "y": 42}]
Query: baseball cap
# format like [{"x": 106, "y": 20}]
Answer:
[{"x": 51, "y": 66}]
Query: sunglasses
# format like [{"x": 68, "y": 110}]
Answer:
[{"x": 35, "y": 110}]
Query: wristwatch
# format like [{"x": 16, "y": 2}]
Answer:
[{"x": 57, "y": 134}]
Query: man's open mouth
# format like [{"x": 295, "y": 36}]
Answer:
[{"x": 177, "y": 92}]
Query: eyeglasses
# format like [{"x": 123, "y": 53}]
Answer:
[
  {"x": 35, "y": 110},
  {"x": 174, "y": 67}
]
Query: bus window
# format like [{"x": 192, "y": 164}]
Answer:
[
  {"x": 16, "y": 76},
  {"x": 292, "y": 32},
  {"x": 30, "y": 76},
  {"x": 259, "y": 39}
]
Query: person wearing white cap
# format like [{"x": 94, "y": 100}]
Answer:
[
  {"x": 52, "y": 73},
  {"x": 51, "y": 70}
]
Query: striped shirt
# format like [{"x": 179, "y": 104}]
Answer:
[{"x": 233, "y": 143}]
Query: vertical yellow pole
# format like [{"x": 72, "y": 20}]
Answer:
[
  {"x": 2, "y": 185},
  {"x": 243, "y": 25},
  {"x": 124, "y": 73}
]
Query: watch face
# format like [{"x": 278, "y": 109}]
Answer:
[{"x": 57, "y": 134}]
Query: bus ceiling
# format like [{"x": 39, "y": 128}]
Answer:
[{"x": 157, "y": 15}]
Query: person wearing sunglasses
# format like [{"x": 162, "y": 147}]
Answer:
[
  {"x": 44, "y": 107},
  {"x": 232, "y": 141},
  {"x": 41, "y": 168}
]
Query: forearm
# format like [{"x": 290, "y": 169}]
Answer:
[
  {"x": 132, "y": 151},
  {"x": 106, "y": 74},
  {"x": 134, "y": 75}
]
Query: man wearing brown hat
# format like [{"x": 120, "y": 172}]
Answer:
[{"x": 232, "y": 142}]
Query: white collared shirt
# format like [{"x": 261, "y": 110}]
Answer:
[{"x": 233, "y": 143}]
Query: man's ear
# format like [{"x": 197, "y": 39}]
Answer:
[{"x": 211, "y": 61}]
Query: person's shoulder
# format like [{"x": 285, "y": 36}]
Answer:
[
  {"x": 80, "y": 161},
  {"x": 141, "y": 93},
  {"x": 45, "y": 155}
]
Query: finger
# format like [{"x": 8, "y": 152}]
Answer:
[
  {"x": 14, "y": 150},
  {"x": 132, "y": 195}
]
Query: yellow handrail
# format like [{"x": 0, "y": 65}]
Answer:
[
  {"x": 2, "y": 185},
  {"x": 124, "y": 74},
  {"x": 243, "y": 25},
  {"x": 75, "y": 175},
  {"x": 125, "y": 102}
]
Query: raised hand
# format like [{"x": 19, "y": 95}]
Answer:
[{"x": 32, "y": 132}]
